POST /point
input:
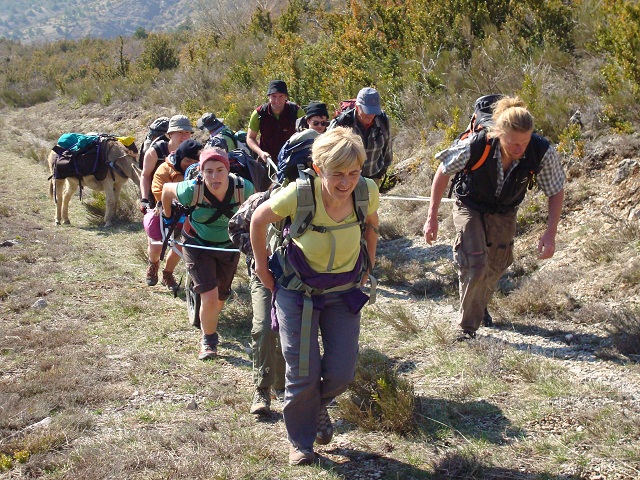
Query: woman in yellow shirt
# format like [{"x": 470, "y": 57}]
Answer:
[{"x": 331, "y": 258}]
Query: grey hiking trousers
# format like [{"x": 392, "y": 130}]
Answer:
[
  {"x": 482, "y": 251},
  {"x": 268, "y": 362},
  {"x": 329, "y": 374}
]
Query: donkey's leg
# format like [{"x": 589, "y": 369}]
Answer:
[
  {"x": 59, "y": 188},
  {"x": 70, "y": 187},
  {"x": 110, "y": 201},
  {"x": 56, "y": 194},
  {"x": 117, "y": 188}
]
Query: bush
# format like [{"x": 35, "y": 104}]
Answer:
[
  {"x": 624, "y": 327},
  {"x": 159, "y": 53},
  {"x": 378, "y": 398}
]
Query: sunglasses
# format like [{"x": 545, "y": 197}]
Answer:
[{"x": 315, "y": 123}]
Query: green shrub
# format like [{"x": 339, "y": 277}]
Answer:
[
  {"x": 379, "y": 399},
  {"x": 159, "y": 53},
  {"x": 140, "y": 33}
]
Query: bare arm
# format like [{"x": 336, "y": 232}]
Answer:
[
  {"x": 438, "y": 187},
  {"x": 146, "y": 177},
  {"x": 168, "y": 196},
  {"x": 260, "y": 220},
  {"x": 371, "y": 236},
  {"x": 371, "y": 239},
  {"x": 252, "y": 143},
  {"x": 547, "y": 243}
]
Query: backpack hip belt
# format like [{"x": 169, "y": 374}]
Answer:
[{"x": 292, "y": 281}]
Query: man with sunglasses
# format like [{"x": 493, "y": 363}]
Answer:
[
  {"x": 316, "y": 118},
  {"x": 369, "y": 121}
]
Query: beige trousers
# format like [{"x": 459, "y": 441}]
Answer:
[{"x": 482, "y": 251}]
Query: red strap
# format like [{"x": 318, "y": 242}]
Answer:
[{"x": 483, "y": 157}]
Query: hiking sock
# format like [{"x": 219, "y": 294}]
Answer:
[{"x": 210, "y": 339}]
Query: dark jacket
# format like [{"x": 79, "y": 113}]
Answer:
[
  {"x": 376, "y": 140},
  {"x": 274, "y": 132},
  {"x": 476, "y": 188}
]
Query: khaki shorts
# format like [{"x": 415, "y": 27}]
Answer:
[{"x": 211, "y": 269}]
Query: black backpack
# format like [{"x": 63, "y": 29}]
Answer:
[
  {"x": 157, "y": 129},
  {"x": 480, "y": 120},
  {"x": 482, "y": 115}
]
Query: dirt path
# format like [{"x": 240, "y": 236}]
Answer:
[{"x": 111, "y": 362}]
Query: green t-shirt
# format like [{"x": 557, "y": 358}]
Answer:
[
  {"x": 215, "y": 232},
  {"x": 316, "y": 246},
  {"x": 254, "y": 120}
]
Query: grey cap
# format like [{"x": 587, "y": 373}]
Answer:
[
  {"x": 179, "y": 123},
  {"x": 368, "y": 100},
  {"x": 160, "y": 124}
]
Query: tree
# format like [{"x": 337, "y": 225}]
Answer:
[
  {"x": 159, "y": 53},
  {"x": 140, "y": 33}
]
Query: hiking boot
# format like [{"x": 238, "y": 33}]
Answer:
[
  {"x": 261, "y": 404},
  {"x": 208, "y": 347},
  {"x": 277, "y": 394},
  {"x": 152, "y": 273},
  {"x": 300, "y": 456},
  {"x": 169, "y": 281},
  {"x": 466, "y": 336},
  {"x": 324, "y": 430},
  {"x": 487, "y": 320},
  {"x": 208, "y": 352}
]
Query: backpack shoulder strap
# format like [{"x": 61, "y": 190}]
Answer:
[
  {"x": 161, "y": 147},
  {"x": 481, "y": 147},
  {"x": 306, "y": 208},
  {"x": 346, "y": 118},
  {"x": 238, "y": 194},
  {"x": 198, "y": 192},
  {"x": 361, "y": 200},
  {"x": 384, "y": 120}
]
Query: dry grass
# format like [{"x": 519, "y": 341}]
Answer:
[
  {"x": 399, "y": 317},
  {"x": 397, "y": 269},
  {"x": 542, "y": 294},
  {"x": 112, "y": 363},
  {"x": 624, "y": 326}
]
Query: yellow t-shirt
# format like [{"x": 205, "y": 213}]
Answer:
[{"x": 316, "y": 246}]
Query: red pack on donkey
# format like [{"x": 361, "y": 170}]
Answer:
[{"x": 101, "y": 162}]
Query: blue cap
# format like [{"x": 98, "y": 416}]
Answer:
[{"x": 368, "y": 100}]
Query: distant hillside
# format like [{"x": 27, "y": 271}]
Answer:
[{"x": 31, "y": 21}]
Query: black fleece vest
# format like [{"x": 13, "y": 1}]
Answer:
[
  {"x": 477, "y": 188},
  {"x": 274, "y": 132}
]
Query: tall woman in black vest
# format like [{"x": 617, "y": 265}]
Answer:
[
  {"x": 487, "y": 200},
  {"x": 180, "y": 129}
]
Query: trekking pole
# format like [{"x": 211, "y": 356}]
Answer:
[
  {"x": 177, "y": 211},
  {"x": 166, "y": 235},
  {"x": 202, "y": 247},
  {"x": 271, "y": 167},
  {"x": 413, "y": 199}
]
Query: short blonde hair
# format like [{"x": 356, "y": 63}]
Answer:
[
  {"x": 338, "y": 149},
  {"x": 511, "y": 114}
]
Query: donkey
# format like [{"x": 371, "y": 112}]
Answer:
[{"x": 122, "y": 167}]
